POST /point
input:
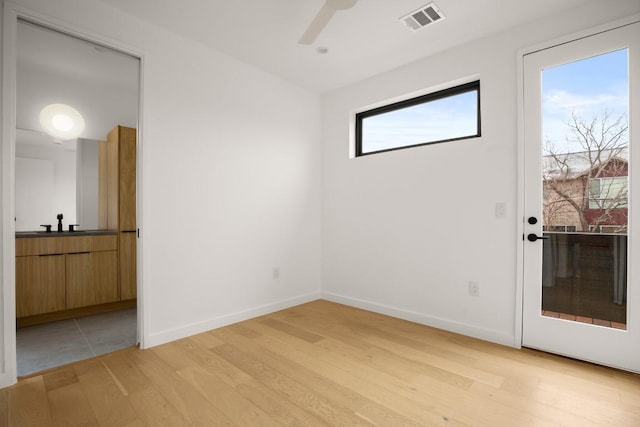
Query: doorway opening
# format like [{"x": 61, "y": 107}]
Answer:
[{"x": 75, "y": 198}]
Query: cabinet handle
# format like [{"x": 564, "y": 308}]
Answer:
[
  {"x": 79, "y": 253},
  {"x": 50, "y": 254}
]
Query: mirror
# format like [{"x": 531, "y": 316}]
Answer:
[{"x": 55, "y": 176}]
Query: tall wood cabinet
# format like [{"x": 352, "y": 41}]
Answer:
[
  {"x": 121, "y": 179},
  {"x": 120, "y": 205}
]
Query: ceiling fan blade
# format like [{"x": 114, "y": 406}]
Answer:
[{"x": 317, "y": 25}]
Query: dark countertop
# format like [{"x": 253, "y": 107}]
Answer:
[{"x": 20, "y": 234}]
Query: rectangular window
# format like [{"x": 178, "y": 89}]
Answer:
[
  {"x": 608, "y": 193},
  {"x": 447, "y": 115}
]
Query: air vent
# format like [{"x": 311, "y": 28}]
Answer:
[{"x": 422, "y": 17}]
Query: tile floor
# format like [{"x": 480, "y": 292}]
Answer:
[{"x": 58, "y": 343}]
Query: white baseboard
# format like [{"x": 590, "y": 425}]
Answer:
[
  {"x": 435, "y": 322},
  {"x": 227, "y": 319}
]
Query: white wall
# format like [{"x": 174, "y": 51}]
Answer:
[
  {"x": 230, "y": 179},
  {"x": 405, "y": 231}
]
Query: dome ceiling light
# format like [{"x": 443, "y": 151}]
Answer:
[{"x": 61, "y": 121}]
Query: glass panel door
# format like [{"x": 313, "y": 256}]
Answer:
[{"x": 581, "y": 103}]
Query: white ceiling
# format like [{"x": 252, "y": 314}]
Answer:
[{"x": 363, "y": 41}]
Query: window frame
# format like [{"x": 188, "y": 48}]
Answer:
[{"x": 473, "y": 86}]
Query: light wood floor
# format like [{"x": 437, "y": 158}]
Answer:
[{"x": 326, "y": 364}]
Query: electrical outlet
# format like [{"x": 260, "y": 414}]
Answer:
[
  {"x": 276, "y": 272},
  {"x": 474, "y": 289}
]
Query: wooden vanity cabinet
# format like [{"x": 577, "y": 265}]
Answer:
[{"x": 54, "y": 274}]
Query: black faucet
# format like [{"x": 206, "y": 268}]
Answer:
[
  {"x": 59, "y": 223},
  {"x": 47, "y": 227},
  {"x": 71, "y": 227}
]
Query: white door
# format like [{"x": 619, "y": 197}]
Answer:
[{"x": 582, "y": 199}]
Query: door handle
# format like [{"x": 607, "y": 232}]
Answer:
[{"x": 532, "y": 237}]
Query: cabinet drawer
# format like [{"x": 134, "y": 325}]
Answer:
[
  {"x": 76, "y": 244},
  {"x": 63, "y": 245},
  {"x": 39, "y": 246},
  {"x": 90, "y": 243},
  {"x": 104, "y": 243}
]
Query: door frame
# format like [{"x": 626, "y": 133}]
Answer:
[
  {"x": 11, "y": 14},
  {"x": 519, "y": 301}
]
